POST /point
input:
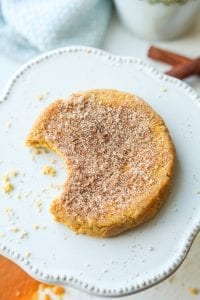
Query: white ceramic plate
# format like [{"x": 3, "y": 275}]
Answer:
[{"x": 108, "y": 267}]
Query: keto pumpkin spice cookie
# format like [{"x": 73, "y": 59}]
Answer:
[{"x": 119, "y": 156}]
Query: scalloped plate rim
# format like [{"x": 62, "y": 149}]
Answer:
[{"x": 66, "y": 279}]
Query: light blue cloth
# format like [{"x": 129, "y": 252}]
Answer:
[{"x": 28, "y": 27}]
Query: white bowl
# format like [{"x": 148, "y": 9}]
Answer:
[{"x": 157, "y": 21}]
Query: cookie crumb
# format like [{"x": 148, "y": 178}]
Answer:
[
  {"x": 8, "y": 187},
  {"x": 14, "y": 173},
  {"x": 6, "y": 178},
  {"x": 48, "y": 170},
  {"x": 38, "y": 204},
  {"x": 53, "y": 161},
  {"x": 39, "y": 97},
  {"x": 14, "y": 229},
  {"x": 37, "y": 151},
  {"x": 58, "y": 290},
  {"x": 56, "y": 186},
  {"x": 193, "y": 291},
  {"x": 36, "y": 226}
]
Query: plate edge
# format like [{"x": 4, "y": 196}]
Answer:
[{"x": 70, "y": 280}]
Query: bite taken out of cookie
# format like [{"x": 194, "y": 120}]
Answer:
[{"x": 119, "y": 157}]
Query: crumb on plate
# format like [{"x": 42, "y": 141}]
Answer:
[
  {"x": 38, "y": 204},
  {"x": 193, "y": 291},
  {"x": 27, "y": 254},
  {"x": 7, "y": 187},
  {"x": 40, "y": 97},
  {"x": 14, "y": 173},
  {"x": 6, "y": 178},
  {"x": 48, "y": 170},
  {"x": 36, "y": 226},
  {"x": 53, "y": 161},
  {"x": 37, "y": 151},
  {"x": 14, "y": 229}
]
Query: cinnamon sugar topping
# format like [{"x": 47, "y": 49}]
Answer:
[{"x": 113, "y": 154}]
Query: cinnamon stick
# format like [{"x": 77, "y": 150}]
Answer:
[
  {"x": 182, "y": 71},
  {"x": 167, "y": 56}
]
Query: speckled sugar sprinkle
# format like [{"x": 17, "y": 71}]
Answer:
[{"x": 112, "y": 150}]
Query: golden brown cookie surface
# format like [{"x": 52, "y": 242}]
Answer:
[{"x": 119, "y": 156}]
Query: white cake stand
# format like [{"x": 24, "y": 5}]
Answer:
[{"x": 49, "y": 251}]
